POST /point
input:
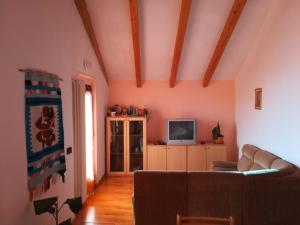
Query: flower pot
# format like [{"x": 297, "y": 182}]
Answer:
[{"x": 219, "y": 140}]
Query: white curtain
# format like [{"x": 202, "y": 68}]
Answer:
[{"x": 80, "y": 188}]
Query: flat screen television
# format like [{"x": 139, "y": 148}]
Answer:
[{"x": 181, "y": 131}]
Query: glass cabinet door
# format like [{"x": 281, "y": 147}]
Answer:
[
  {"x": 117, "y": 147},
  {"x": 135, "y": 145}
]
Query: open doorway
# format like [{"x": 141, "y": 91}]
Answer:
[
  {"x": 85, "y": 133},
  {"x": 89, "y": 138}
]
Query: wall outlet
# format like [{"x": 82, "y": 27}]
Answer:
[{"x": 69, "y": 150}]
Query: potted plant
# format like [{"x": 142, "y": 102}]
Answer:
[
  {"x": 217, "y": 135},
  {"x": 50, "y": 205}
]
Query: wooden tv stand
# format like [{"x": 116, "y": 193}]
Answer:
[{"x": 184, "y": 157}]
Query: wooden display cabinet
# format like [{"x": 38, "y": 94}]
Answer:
[
  {"x": 215, "y": 152},
  {"x": 176, "y": 157},
  {"x": 184, "y": 157},
  {"x": 196, "y": 158},
  {"x": 157, "y": 157},
  {"x": 125, "y": 145}
]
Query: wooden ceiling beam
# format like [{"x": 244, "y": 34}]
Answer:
[
  {"x": 181, "y": 30},
  {"x": 86, "y": 19},
  {"x": 231, "y": 22},
  {"x": 136, "y": 40}
]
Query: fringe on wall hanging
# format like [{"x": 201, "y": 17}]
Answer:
[{"x": 44, "y": 131}]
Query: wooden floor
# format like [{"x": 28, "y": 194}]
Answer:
[{"x": 111, "y": 204}]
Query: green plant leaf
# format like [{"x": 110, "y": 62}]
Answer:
[
  {"x": 66, "y": 222},
  {"x": 45, "y": 205},
  {"x": 216, "y": 132},
  {"x": 75, "y": 204}
]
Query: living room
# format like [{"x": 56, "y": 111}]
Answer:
[{"x": 261, "y": 54}]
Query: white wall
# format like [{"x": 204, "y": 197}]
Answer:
[
  {"x": 45, "y": 34},
  {"x": 274, "y": 65}
]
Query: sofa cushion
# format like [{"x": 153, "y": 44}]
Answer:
[
  {"x": 246, "y": 160},
  {"x": 284, "y": 166},
  {"x": 224, "y": 166},
  {"x": 263, "y": 160},
  {"x": 215, "y": 194},
  {"x": 159, "y": 196}
]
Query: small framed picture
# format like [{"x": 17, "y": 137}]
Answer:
[{"x": 258, "y": 96}]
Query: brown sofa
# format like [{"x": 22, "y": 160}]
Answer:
[{"x": 261, "y": 189}]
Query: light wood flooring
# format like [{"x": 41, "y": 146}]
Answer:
[{"x": 110, "y": 205}]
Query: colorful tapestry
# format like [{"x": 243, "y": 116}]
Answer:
[{"x": 44, "y": 131}]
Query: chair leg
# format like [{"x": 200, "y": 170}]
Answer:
[
  {"x": 178, "y": 220},
  {"x": 231, "y": 220}
]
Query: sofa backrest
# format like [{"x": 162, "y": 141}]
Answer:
[
  {"x": 262, "y": 160},
  {"x": 271, "y": 201},
  {"x": 254, "y": 158},
  {"x": 215, "y": 194},
  {"x": 159, "y": 197}
]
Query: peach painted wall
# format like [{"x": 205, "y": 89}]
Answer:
[
  {"x": 273, "y": 65},
  {"x": 187, "y": 100},
  {"x": 49, "y": 35}
]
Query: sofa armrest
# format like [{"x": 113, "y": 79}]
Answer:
[{"x": 224, "y": 166}]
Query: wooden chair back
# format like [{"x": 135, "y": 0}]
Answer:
[{"x": 198, "y": 220}]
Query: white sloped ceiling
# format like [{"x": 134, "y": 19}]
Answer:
[{"x": 158, "y": 27}]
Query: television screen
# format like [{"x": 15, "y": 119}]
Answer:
[{"x": 181, "y": 130}]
